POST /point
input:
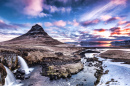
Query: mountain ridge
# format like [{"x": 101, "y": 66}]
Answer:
[{"x": 36, "y": 35}]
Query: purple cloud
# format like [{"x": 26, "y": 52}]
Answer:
[{"x": 91, "y": 22}]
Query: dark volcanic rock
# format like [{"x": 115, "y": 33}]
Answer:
[{"x": 20, "y": 74}]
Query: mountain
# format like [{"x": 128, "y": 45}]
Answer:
[{"x": 36, "y": 35}]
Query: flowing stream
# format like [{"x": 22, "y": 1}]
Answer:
[
  {"x": 113, "y": 74},
  {"x": 86, "y": 77}
]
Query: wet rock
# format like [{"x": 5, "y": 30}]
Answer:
[
  {"x": 90, "y": 64},
  {"x": 9, "y": 59},
  {"x": 106, "y": 72},
  {"x": 20, "y": 74},
  {"x": 3, "y": 74},
  {"x": 98, "y": 75},
  {"x": 62, "y": 71}
]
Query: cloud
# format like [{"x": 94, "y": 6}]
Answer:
[
  {"x": 117, "y": 31},
  {"x": 5, "y": 37},
  {"x": 122, "y": 22},
  {"x": 59, "y": 23},
  {"x": 104, "y": 33},
  {"x": 128, "y": 25},
  {"x": 6, "y": 26},
  {"x": 111, "y": 7},
  {"x": 54, "y": 9},
  {"x": 105, "y": 17},
  {"x": 38, "y": 8},
  {"x": 9, "y": 31},
  {"x": 74, "y": 22},
  {"x": 48, "y": 24},
  {"x": 92, "y": 22},
  {"x": 34, "y": 8},
  {"x": 100, "y": 30},
  {"x": 119, "y": 2},
  {"x": 121, "y": 38},
  {"x": 113, "y": 19}
]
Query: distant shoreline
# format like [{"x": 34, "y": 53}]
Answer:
[{"x": 121, "y": 55}]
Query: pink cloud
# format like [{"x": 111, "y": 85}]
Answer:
[
  {"x": 1, "y": 21},
  {"x": 60, "y": 23},
  {"x": 105, "y": 17},
  {"x": 119, "y": 2},
  {"x": 122, "y": 22},
  {"x": 74, "y": 22},
  {"x": 128, "y": 25},
  {"x": 48, "y": 24},
  {"x": 34, "y": 7}
]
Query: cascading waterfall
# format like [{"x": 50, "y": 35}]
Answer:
[
  {"x": 10, "y": 79},
  {"x": 23, "y": 65}
]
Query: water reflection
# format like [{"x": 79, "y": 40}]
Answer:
[
  {"x": 98, "y": 45},
  {"x": 89, "y": 76}
]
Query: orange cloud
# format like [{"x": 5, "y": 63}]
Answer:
[
  {"x": 121, "y": 32},
  {"x": 102, "y": 33},
  {"x": 100, "y": 30}
]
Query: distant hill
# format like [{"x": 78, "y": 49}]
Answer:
[{"x": 36, "y": 35}]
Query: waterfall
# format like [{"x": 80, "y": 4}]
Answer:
[
  {"x": 23, "y": 65},
  {"x": 10, "y": 79}
]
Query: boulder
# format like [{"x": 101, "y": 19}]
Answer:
[{"x": 62, "y": 71}]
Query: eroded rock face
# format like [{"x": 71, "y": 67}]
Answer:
[
  {"x": 9, "y": 59},
  {"x": 3, "y": 74}
]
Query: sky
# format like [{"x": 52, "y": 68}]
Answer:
[{"x": 67, "y": 20}]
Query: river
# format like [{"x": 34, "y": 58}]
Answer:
[{"x": 110, "y": 74}]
